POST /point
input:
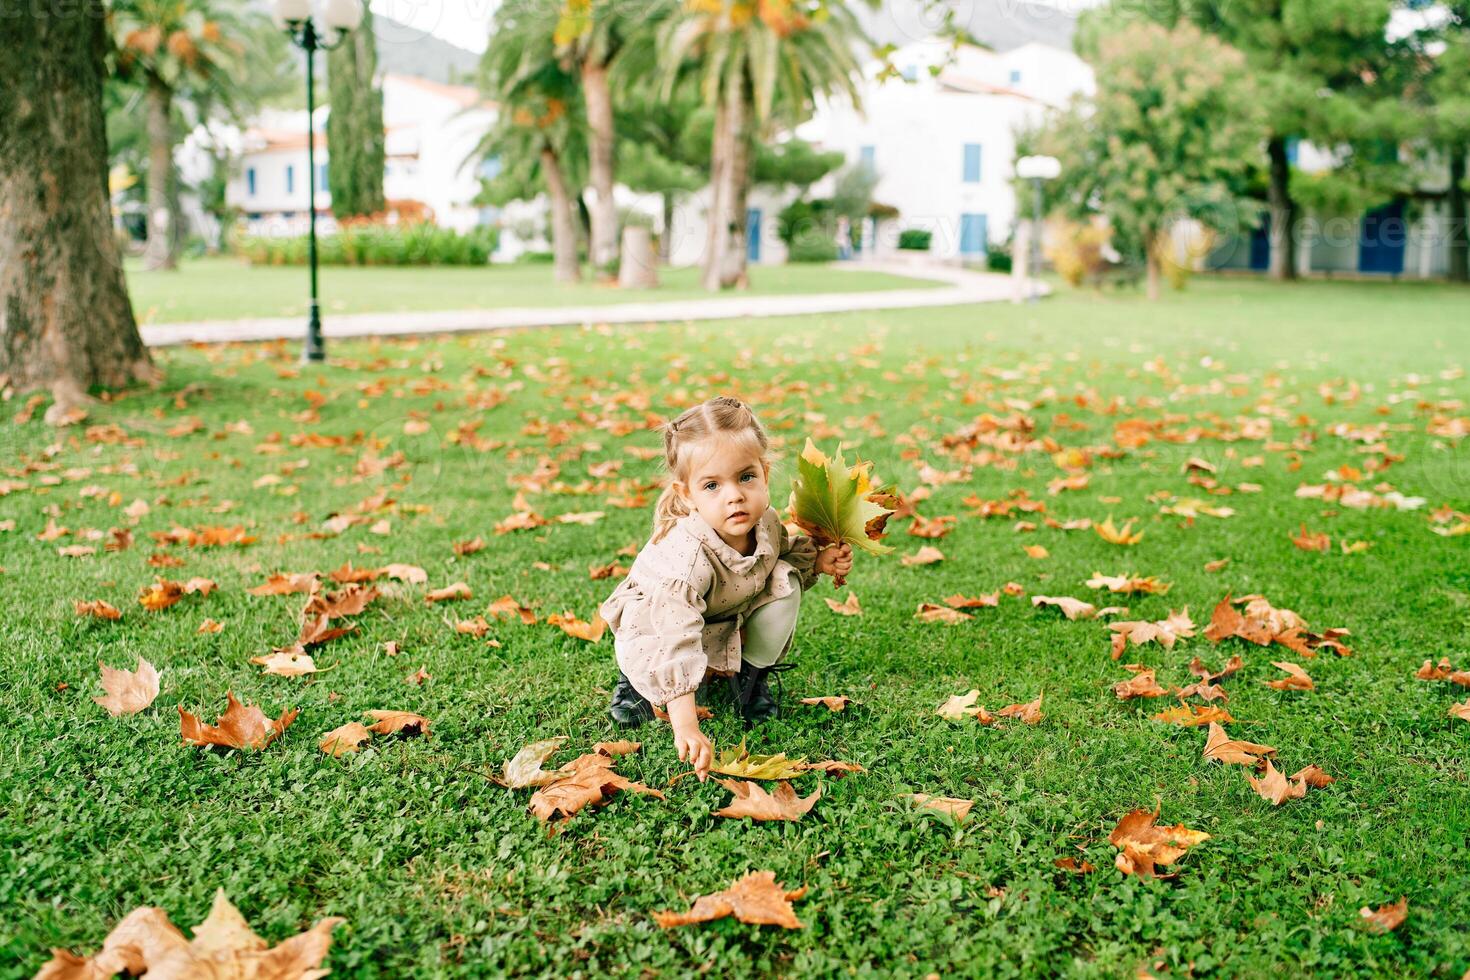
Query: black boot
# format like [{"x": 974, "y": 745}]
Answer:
[
  {"x": 628, "y": 708},
  {"x": 753, "y": 698}
]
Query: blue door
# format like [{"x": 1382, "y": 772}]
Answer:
[
  {"x": 1383, "y": 239},
  {"x": 753, "y": 235},
  {"x": 973, "y": 235},
  {"x": 1261, "y": 244}
]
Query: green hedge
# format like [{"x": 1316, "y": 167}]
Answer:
[
  {"x": 812, "y": 250},
  {"x": 417, "y": 244},
  {"x": 915, "y": 239}
]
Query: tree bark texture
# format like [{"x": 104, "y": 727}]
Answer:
[
  {"x": 563, "y": 224},
  {"x": 66, "y": 323}
]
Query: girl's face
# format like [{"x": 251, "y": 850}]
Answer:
[{"x": 727, "y": 487}]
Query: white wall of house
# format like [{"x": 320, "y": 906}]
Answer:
[
  {"x": 943, "y": 145},
  {"x": 430, "y": 131}
]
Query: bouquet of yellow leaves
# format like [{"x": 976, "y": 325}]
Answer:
[{"x": 836, "y": 503}]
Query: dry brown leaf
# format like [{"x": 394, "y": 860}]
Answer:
[
  {"x": 1192, "y": 716},
  {"x": 1142, "y": 684},
  {"x": 932, "y": 612},
  {"x": 586, "y": 780},
  {"x": 617, "y": 748},
  {"x": 959, "y": 809},
  {"x": 572, "y": 626},
  {"x": 1460, "y": 711},
  {"x": 833, "y": 768},
  {"x": 224, "y": 946},
  {"x": 1036, "y": 551},
  {"x": 1222, "y": 748},
  {"x": 350, "y": 600},
  {"x": 286, "y": 663},
  {"x": 288, "y": 584},
  {"x": 1071, "y": 864},
  {"x": 210, "y": 626},
  {"x": 411, "y": 574},
  {"x": 752, "y": 800},
  {"x": 1143, "y": 846},
  {"x": 1216, "y": 565},
  {"x": 1128, "y": 584},
  {"x": 404, "y": 722},
  {"x": 348, "y": 738},
  {"x": 1075, "y": 608},
  {"x": 458, "y": 590},
  {"x": 240, "y": 727},
  {"x": 1386, "y": 918},
  {"x": 833, "y": 702},
  {"x": 961, "y": 706},
  {"x": 507, "y": 608},
  {"x": 848, "y": 607},
  {"x": 1198, "y": 669},
  {"x": 1030, "y": 712},
  {"x": 418, "y": 677},
  {"x": 1275, "y": 787},
  {"x": 128, "y": 691},
  {"x": 1298, "y": 681},
  {"x": 319, "y": 630},
  {"x": 476, "y": 627},
  {"x": 99, "y": 609},
  {"x": 927, "y": 555},
  {"x": 1165, "y": 632},
  {"x": 982, "y": 601},
  {"x": 1311, "y": 540},
  {"x": 524, "y": 769},
  {"x": 755, "y": 899}
]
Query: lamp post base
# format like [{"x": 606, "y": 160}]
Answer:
[{"x": 314, "y": 351}]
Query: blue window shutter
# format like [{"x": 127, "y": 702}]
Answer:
[
  {"x": 972, "y": 163},
  {"x": 321, "y": 176},
  {"x": 1015, "y": 76},
  {"x": 250, "y": 181},
  {"x": 869, "y": 157},
  {"x": 290, "y": 178}
]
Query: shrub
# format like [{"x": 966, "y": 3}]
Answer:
[
  {"x": 915, "y": 239},
  {"x": 372, "y": 244},
  {"x": 536, "y": 258},
  {"x": 1076, "y": 250},
  {"x": 998, "y": 259},
  {"x": 811, "y": 249}
]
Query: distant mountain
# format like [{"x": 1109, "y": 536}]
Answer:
[
  {"x": 404, "y": 50},
  {"x": 997, "y": 24}
]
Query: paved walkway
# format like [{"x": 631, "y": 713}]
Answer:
[{"x": 964, "y": 287}]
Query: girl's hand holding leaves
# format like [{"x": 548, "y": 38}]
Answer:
[{"x": 837, "y": 504}]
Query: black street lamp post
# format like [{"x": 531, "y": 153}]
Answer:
[{"x": 339, "y": 18}]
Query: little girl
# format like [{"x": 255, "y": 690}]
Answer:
[{"x": 717, "y": 587}]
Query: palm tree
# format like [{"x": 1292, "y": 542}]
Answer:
[
  {"x": 171, "y": 46},
  {"x": 538, "y": 132},
  {"x": 758, "y": 63}
]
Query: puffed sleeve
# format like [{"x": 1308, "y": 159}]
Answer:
[
  {"x": 800, "y": 552},
  {"x": 670, "y": 661}
]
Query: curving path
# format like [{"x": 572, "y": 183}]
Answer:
[{"x": 964, "y": 287}]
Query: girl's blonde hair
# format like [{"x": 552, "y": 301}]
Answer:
[{"x": 721, "y": 417}]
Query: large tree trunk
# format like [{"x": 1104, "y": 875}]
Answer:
[
  {"x": 161, "y": 253},
  {"x": 563, "y": 225},
  {"x": 1283, "y": 212},
  {"x": 65, "y": 320},
  {"x": 1459, "y": 230},
  {"x": 603, "y": 247},
  {"x": 726, "y": 228},
  {"x": 737, "y": 251}
]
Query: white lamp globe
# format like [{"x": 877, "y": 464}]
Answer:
[
  {"x": 286, "y": 11},
  {"x": 342, "y": 15},
  {"x": 1038, "y": 168}
]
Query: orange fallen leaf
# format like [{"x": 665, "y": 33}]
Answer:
[
  {"x": 145, "y": 941},
  {"x": 1143, "y": 846},
  {"x": 982, "y": 601},
  {"x": 1216, "y": 565},
  {"x": 932, "y": 612},
  {"x": 418, "y": 677},
  {"x": 1036, "y": 551},
  {"x": 752, "y": 800},
  {"x": 959, "y": 809},
  {"x": 755, "y": 899},
  {"x": 1298, "y": 681},
  {"x": 1070, "y": 864},
  {"x": 240, "y": 727},
  {"x": 1118, "y": 535},
  {"x": 1311, "y": 540},
  {"x": 832, "y": 767},
  {"x": 286, "y": 663},
  {"x": 572, "y": 626},
  {"x": 405, "y": 722},
  {"x": 97, "y": 608},
  {"x": 458, "y": 590},
  {"x": 1386, "y": 918},
  {"x": 961, "y": 706},
  {"x": 128, "y": 691},
  {"x": 1129, "y": 584},
  {"x": 588, "y": 780},
  {"x": 617, "y": 748},
  {"x": 1030, "y": 712},
  {"x": 348, "y": 738},
  {"x": 525, "y": 767},
  {"x": 476, "y": 627},
  {"x": 927, "y": 555},
  {"x": 1141, "y": 685},
  {"x": 350, "y": 600},
  {"x": 1460, "y": 711},
  {"x": 1165, "y": 632},
  {"x": 1192, "y": 716},
  {"x": 833, "y": 702},
  {"x": 287, "y": 584},
  {"x": 1222, "y": 748},
  {"x": 849, "y": 607},
  {"x": 506, "y": 607},
  {"x": 1075, "y": 608},
  {"x": 210, "y": 626},
  {"x": 1275, "y": 787}
]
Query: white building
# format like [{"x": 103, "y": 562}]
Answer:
[
  {"x": 942, "y": 139},
  {"x": 431, "y": 130}
]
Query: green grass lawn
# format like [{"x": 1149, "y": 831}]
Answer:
[
  {"x": 227, "y": 288},
  {"x": 439, "y": 872}
]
